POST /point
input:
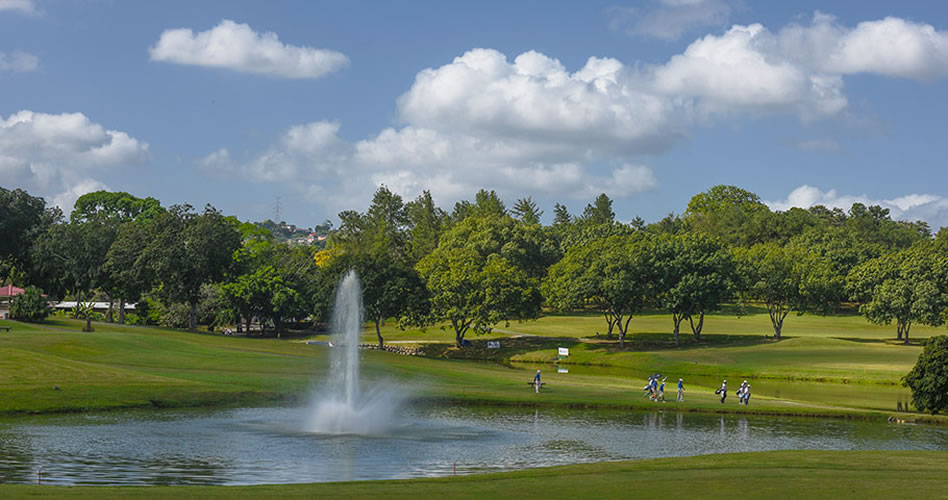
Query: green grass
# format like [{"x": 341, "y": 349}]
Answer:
[
  {"x": 126, "y": 366},
  {"x": 780, "y": 474}
]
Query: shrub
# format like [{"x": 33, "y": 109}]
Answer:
[
  {"x": 30, "y": 306},
  {"x": 175, "y": 316},
  {"x": 929, "y": 378}
]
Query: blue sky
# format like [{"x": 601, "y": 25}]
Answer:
[{"x": 316, "y": 103}]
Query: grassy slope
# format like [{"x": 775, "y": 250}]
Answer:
[
  {"x": 135, "y": 367},
  {"x": 781, "y": 474}
]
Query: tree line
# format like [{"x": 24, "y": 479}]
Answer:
[{"x": 480, "y": 264}]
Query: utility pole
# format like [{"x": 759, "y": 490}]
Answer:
[{"x": 276, "y": 211}]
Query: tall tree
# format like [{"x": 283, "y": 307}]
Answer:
[
  {"x": 526, "y": 211},
  {"x": 728, "y": 212},
  {"x": 425, "y": 221},
  {"x": 910, "y": 286},
  {"x": 784, "y": 278},
  {"x": 485, "y": 271},
  {"x": 188, "y": 250},
  {"x": 693, "y": 275},
  {"x": 599, "y": 211},
  {"x": 611, "y": 274},
  {"x": 23, "y": 218}
]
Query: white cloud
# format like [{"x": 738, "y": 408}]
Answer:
[
  {"x": 891, "y": 47},
  {"x": 530, "y": 125},
  {"x": 670, "y": 19},
  {"x": 930, "y": 208},
  {"x": 25, "y": 6},
  {"x": 18, "y": 62},
  {"x": 741, "y": 70},
  {"x": 52, "y": 155},
  {"x": 237, "y": 47}
]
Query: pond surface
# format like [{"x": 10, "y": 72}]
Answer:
[{"x": 265, "y": 445}]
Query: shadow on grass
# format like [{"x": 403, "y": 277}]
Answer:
[{"x": 638, "y": 342}]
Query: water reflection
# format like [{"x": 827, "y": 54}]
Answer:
[{"x": 266, "y": 445}]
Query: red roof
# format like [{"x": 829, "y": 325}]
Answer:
[{"x": 10, "y": 291}]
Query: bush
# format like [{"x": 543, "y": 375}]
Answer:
[
  {"x": 929, "y": 378},
  {"x": 175, "y": 316},
  {"x": 30, "y": 306}
]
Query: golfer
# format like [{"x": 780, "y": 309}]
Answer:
[
  {"x": 722, "y": 391},
  {"x": 681, "y": 390},
  {"x": 536, "y": 382}
]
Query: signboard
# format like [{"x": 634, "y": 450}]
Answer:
[
  {"x": 493, "y": 344},
  {"x": 563, "y": 351},
  {"x": 561, "y": 369}
]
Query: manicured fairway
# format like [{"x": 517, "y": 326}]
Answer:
[
  {"x": 781, "y": 474},
  {"x": 122, "y": 367}
]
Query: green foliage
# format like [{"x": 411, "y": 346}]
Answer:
[
  {"x": 907, "y": 287},
  {"x": 22, "y": 219},
  {"x": 30, "y": 306},
  {"x": 425, "y": 221},
  {"x": 692, "y": 276},
  {"x": 929, "y": 377},
  {"x": 526, "y": 211},
  {"x": 485, "y": 271},
  {"x": 786, "y": 279},
  {"x": 599, "y": 211},
  {"x": 610, "y": 274},
  {"x": 119, "y": 206}
]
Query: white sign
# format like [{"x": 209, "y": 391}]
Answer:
[
  {"x": 560, "y": 369},
  {"x": 563, "y": 351},
  {"x": 493, "y": 344}
]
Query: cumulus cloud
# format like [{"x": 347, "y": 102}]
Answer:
[
  {"x": 25, "y": 6},
  {"x": 18, "y": 62},
  {"x": 237, "y": 47},
  {"x": 670, "y": 19},
  {"x": 53, "y": 155},
  {"x": 530, "y": 125},
  {"x": 930, "y": 208}
]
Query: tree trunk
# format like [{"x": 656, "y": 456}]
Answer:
[
  {"x": 623, "y": 329},
  {"x": 697, "y": 329},
  {"x": 192, "y": 323},
  {"x": 378, "y": 333},
  {"x": 122, "y": 311},
  {"x": 108, "y": 316},
  {"x": 677, "y": 319}
]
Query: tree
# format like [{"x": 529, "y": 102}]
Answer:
[
  {"x": 929, "y": 377},
  {"x": 599, "y": 211},
  {"x": 114, "y": 205},
  {"x": 425, "y": 222},
  {"x": 692, "y": 275},
  {"x": 486, "y": 270},
  {"x": 526, "y": 211},
  {"x": 785, "y": 279},
  {"x": 910, "y": 286},
  {"x": 187, "y": 250},
  {"x": 612, "y": 274},
  {"x": 126, "y": 264},
  {"x": 30, "y": 306},
  {"x": 474, "y": 291},
  {"x": 390, "y": 289},
  {"x": 729, "y": 213},
  {"x": 23, "y": 218},
  {"x": 561, "y": 215}
]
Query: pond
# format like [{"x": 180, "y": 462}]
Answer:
[{"x": 265, "y": 445}]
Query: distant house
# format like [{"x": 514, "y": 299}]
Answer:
[
  {"x": 7, "y": 293},
  {"x": 101, "y": 307}
]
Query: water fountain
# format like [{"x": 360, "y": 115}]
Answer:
[{"x": 342, "y": 406}]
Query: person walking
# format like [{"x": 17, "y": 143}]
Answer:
[
  {"x": 661, "y": 391},
  {"x": 536, "y": 382},
  {"x": 747, "y": 395},
  {"x": 722, "y": 391},
  {"x": 681, "y": 390}
]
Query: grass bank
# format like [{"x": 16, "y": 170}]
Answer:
[
  {"x": 54, "y": 367},
  {"x": 779, "y": 474}
]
